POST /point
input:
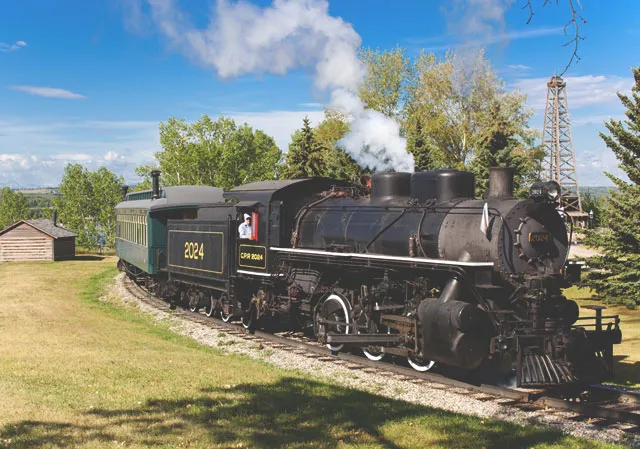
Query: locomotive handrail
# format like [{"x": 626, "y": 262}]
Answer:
[{"x": 421, "y": 260}]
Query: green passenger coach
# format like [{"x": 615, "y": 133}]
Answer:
[{"x": 141, "y": 222}]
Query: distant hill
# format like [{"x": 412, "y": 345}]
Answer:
[
  {"x": 40, "y": 191},
  {"x": 596, "y": 190}
]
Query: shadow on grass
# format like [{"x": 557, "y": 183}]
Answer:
[
  {"x": 88, "y": 257},
  {"x": 288, "y": 413},
  {"x": 626, "y": 372}
]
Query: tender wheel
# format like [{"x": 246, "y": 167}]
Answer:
[
  {"x": 210, "y": 308},
  {"x": 249, "y": 318},
  {"x": 223, "y": 316},
  {"x": 420, "y": 365},
  {"x": 335, "y": 308}
]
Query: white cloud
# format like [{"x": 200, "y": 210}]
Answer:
[
  {"x": 450, "y": 41},
  {"x": 49, "y": 92},
  {"x": 595, "y": 120},
  {"x": 35, "y": 153},
  {"x": 5, "y": 48},
  {"x": 518, "y": 67},
  {"x": 582, "y": 91}
]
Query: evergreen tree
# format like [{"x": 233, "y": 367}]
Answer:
[
  {"x": 500, "y": 145},
  {"x": 616, "y": 277},
  {"x": 417, "y": 144},
  {"x": 304, "y": 158}
]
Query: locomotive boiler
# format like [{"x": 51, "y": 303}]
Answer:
[{"x": 414, "y": 266}]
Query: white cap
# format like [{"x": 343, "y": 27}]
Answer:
[{"x": 247, "y": 216}]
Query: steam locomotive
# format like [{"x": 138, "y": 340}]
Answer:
[{"x": 412, "y": 266}]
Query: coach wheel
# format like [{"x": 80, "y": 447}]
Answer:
[
  {"x": 210, "y": 308},
  {"x": 226, "y": 317},
  {"x": 420, "y": 365},
  {"x": 335, "y": 308}
]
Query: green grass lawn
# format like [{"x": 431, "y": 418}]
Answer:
[
  {"x": 626, "y": 354},
  {"x": 77, "y": 371}
]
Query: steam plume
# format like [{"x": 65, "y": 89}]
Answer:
[{"x": 242, "y": 38}]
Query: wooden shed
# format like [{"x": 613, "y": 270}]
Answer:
[{"x": 36, "y": 240}]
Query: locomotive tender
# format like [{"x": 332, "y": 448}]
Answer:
[{"x": 413, "y": 266}]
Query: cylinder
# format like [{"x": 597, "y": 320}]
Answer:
[
  {"x": 387, "y": 186},
  {"x": 155, "y": 179},
  {"x": 454, "y": 184},
  {"x": 453, "y": 332},
  {"x": 500, "y": 182}
]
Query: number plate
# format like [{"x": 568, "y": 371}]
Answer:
[{"x": 539, "y": 238}]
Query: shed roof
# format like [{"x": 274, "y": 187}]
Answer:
[{"x": 43, "y": 225}]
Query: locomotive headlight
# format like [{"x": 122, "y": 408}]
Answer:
[{"x": 549, "y": 191}]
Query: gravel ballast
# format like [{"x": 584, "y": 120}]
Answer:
[{"x": 433, "y": 396}]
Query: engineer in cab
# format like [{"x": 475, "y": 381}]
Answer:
[{"x": 244, "y": 230}]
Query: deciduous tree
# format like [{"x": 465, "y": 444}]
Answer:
[
  {"x": 13, "y": 207},
  {"x": 216, "y": 153},
  {"x": 87, "y": 204}
]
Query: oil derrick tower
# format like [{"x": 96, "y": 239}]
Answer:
[{"x": 560, "y": 161}]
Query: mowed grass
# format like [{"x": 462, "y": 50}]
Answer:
[
  {"x": 79, "y": 372},
  {"x": 626, "y": 354}
]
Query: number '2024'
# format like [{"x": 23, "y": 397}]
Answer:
[{"x": 193, "y": 250}]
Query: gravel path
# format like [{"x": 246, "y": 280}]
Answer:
[{"x": 432, "y": 395}]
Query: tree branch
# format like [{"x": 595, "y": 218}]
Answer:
[{"x": 573, "y": 23}]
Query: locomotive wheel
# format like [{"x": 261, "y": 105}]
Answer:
[
  {"x": 223, "y": 316},
  {"x": 420, "y": 365},
  {"x": 374, "y": 353},
  {"x": 210, "y": 309},
  {"x": 335, "y": 308}
]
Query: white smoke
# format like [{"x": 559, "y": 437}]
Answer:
[{"x": 242, "y": 38}]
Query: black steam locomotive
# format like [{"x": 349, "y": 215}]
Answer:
[{"x": 412, "y": 265}]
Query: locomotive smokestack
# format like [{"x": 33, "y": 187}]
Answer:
[
  {"x": 500, "y": 182},
  {"x": 155, "y": 178}
]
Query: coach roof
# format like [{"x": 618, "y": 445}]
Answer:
[{"x": 176, "y": 197}]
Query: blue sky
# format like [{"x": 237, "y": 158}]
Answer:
[{"x": 89, "y": 82}]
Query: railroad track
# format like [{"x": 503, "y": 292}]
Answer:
[{"x": 602, "y": 406}]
